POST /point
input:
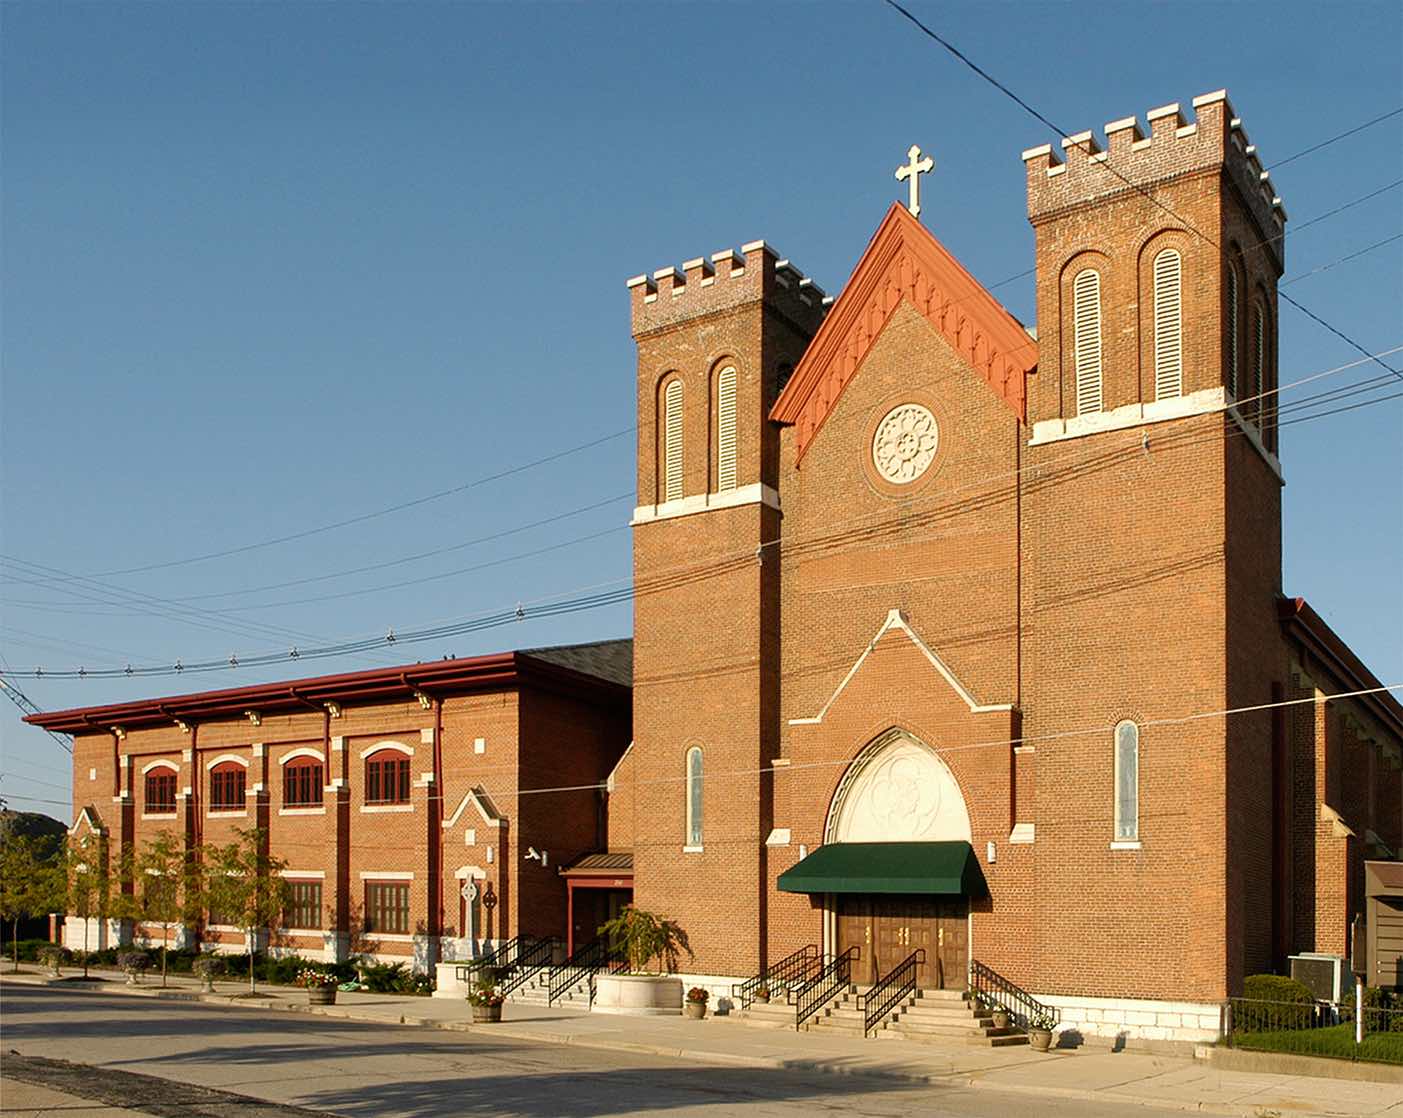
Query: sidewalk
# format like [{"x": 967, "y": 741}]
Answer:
[{"x": 1164, "y": 1081}]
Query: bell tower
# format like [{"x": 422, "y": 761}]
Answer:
[{"x": 715, "y": 338}]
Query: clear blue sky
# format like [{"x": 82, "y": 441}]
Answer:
[{"x": 269, "y": 266}]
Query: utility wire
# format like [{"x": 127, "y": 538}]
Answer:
[
  {"x": 1333, "y": 139},
  {"x": 1343, "y": 259}
]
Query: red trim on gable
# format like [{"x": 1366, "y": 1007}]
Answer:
[{"x": 905, "y": 261}]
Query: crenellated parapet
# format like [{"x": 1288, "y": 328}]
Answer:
[
  {"x": 1169, "y": 147},
  {"x": 727, "y": 280}
]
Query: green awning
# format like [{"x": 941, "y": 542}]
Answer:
[{"x": 939, "y": 868}]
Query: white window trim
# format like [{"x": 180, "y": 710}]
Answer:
[
  {"x": 1126, "y": 844},
  {"x": 693, "y": 849},
  {"x": 222, "y": 758},
  {"x": 303, "y": 875},
  {"x": 674, "y": 430},
  {"x": 241, "y": 813},
  {"x": 160, "y": 765},
  {"x": 726, "y": 430},
  {"x": 1168, "y": 298},
  {"x": 160, "y": 815},
  {"x": 689, "y": 846},
  {"x": 380, "y": 809},
  {"x": 299, "y": 753},
  {"x": 394, "y": 745},
  {"x": 387, "y": 875},
  {"x": 1088, "y": 351},
  {"x": 302, "y": 810}
]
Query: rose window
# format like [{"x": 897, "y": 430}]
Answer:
[{"x": 905, "y": 443}]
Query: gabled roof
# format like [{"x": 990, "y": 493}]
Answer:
[{"x": 905, "y": 261}]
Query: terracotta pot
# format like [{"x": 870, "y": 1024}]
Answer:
[
  {"x": 1000, "y": 1018},
  {"x": 1040, "y": 1039},
  {"x": 763, "y": 999},
  {"x": 696, "y": 1010},
  {"x": 483, "y": 1014},
  {"x": 321, "y": 995}
]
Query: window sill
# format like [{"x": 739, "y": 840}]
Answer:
[
  {"x": 693, "y": 849},
  {"x": 392, "y": 937},
  {"x": 370, "y": 809},
  {"x": 308, "y": 810},
  {"x": 302, "y": 931},
  {"x": 228, "y": 813},
  {"x": 1122, "y": 844},
  {"x": 159, "y": 814}
]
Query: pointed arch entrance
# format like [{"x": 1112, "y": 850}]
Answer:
[{"x": 898, "y": 791}]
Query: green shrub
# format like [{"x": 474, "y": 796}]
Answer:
[
  {"x": 385, "y": 978},
  {"x": 1273, "y": 1002}
]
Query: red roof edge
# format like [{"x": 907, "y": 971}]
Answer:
[
  {"x": 478, "y": 673},
  {"x": 1300, "y": 618}
]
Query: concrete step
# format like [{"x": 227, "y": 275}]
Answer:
[
  {"x": 771, "y": 1015},
  {"x": 1012, "y": 1038},
  {"x": 921, "y": 1011}
]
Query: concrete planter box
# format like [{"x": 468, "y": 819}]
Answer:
[{"x": 638, "y": 995}]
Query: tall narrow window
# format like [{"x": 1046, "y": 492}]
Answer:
[
  {"x": 160, "y": 791},
  {"x": 1259, "y": 361},
  {"x": 1232, "y": 331},
  {"x": 386, "y": 907},
  {"x": 694, "y": 796},
  {"x": 726, "y": 430},
  {"x": 672, "y": 442},
  {"x": 387, "y": 778},
  {"x": 304, "y": 905},
  {"x": 1127, "y": 782},
  {"x": 1086, "y": 333},
  {"x": 1169, "y": 339},
  {"x": 302, "y": 786}
]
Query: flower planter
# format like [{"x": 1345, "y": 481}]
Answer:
[
  {"x": 1000, "y": 1018},
  {"x": 1040, "y": 1039},
  {"x": 763, "y": 999},
  {"x": 696, "y": 1010},
  {"x": 638, "y": 995},
  {"x": 484, "y": 1014},
  {"x": 321, "y": 995}
]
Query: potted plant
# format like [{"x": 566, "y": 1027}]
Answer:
[
  {"x": 1040, "y": 1023},
  {"x": 205, "y": 968},
  {"x": 486, "y": 999},
  {"x": 642, "y": 937},
  {"x": 133, "y": 965},
  {"x": 696, "y": 1002},
  {"x": 762, "y": 994},
  {"x": 999, "y": 1015},
  {"x": 51, "y": 955},
  {"x": 320, "y": 985}
]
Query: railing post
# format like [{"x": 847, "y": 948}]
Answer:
[{"x": 1227, "y": 1022}]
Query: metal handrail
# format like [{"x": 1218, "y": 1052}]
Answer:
[
  {"x": 890, "y": 991},
  {"x": 529, "y": 960},
  {"x": 818, "y": 991},
  {"x": 495, "y": 959},
  {"x": 1023, "y": 1009},
  {"x": 800, "y": 965},
  {"x": 598, "y": 954}
]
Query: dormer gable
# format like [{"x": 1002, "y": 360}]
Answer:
[{"x": 904, "y": 261}]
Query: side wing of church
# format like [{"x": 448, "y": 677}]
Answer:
[{"x": 920, "y": 587}]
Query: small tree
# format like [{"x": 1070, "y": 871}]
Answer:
[
  {"x": 245, "y": 884},
  {"x": 87, "y": 882},
  {"x": 30, "y": 883},
  {"x": 164, "y": 887},
  {"x": 644, "y": 936}
]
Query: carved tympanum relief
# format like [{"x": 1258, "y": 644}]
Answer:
[{"x": 898, "y": 791}]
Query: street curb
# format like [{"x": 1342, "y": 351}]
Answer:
[{"x": 776, "y": 1063}]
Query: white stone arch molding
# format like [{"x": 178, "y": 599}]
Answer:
[
  {"x": 223, "y": 757},
  {"x": 162, "y": 764},
  {"x": 302, "y": 754},
  {"x": 395, "y": 746},
  {"x": 898, "y": 789}
]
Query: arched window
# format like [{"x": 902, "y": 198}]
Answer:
[
  {"x": 672, "y": 441},
  {"x": 387, "y": 777},
  {"x": 1127, "y": 806},
  {"x": 302, "y": 786},
  {"x": 726, "y": 430},
  {"x": 227, "y": 782},
  {"x": 1230, "y": 352},
  {"x": 160, "y": 791},
  {"x": 694, "y": 796},
  {"x": 1259, "y": 362},
  {"x": 1169, "y": 339},
  {"x": 1086, "y": 335}
]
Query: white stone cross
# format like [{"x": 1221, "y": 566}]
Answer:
[{"x": 913, "y": 171}]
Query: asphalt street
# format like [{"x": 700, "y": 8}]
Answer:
[{"x": 153, "y": 1057}]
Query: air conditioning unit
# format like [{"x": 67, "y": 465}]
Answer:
[{"x": 1325, "y": 976}]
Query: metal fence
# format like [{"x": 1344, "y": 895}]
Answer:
[{"x": 1314, "y": 1029}]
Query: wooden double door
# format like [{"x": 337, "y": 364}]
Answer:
[{"x": 889, "y": 928}]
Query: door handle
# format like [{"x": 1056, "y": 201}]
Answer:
[{"x": 940, "y": 937}]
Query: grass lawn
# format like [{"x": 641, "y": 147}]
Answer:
[{"x": 1336, "y": 1040}]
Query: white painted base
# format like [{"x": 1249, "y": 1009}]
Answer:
[
  {"x": 719, "y": 986},
  {"x": 1137, "y": 1018},
  {"x": 638, "y": 995}
]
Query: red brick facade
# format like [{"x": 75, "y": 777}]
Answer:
[{"x": 1046, "y": 577}]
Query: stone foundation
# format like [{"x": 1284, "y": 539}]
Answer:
[{"x": 1136, "y": 1019}]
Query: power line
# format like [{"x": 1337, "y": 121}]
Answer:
[
  {"x": 21, "y": 700},
  {"x": 1343, "y": 259},
  {"x": 1333, "y": 139},
  {"x": 549, "y": 608},
  {"x": 363, "y": 517},
  {"x": 1141, "y": 190}
]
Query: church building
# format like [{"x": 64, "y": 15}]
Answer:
[{"x": 958, "y": 640}]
